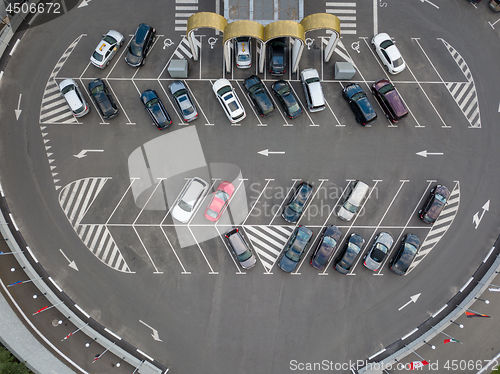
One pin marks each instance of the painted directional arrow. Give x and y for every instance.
(72, 264)
(84, 3)
(18, 110)
(477, 219)
(267, 152)
(427, 1)
(155, 334)
(425, 153)
(84, 151)
(413, 299)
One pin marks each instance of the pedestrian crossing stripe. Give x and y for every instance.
(340, 50)
(186, 10)
(464, 93)
(439, 228)
(346, 13)
(183, 49)
(268, 242)
(75, 200)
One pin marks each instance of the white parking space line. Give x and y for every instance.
(304, 210)
(396, 242)
(378, 226)
(95, 106)
(202, 201)
(304, 108)
(208, 123)
(150, 49)
(147, 252)
(256, 201)
(119, 202)
(284, 200)
(147, 201)
(119, 58)
(84, 70)
(203, 253)
(181, 123)
(336, 119)
(251, 105)
(278, 109)
(119, 103)
(229, 251)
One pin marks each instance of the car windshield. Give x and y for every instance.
(245, 256)
(222, 195)
(136, 49)
(351, 253)
(185, 206)
(180, 93)
(97, 89)
(211, 213)
(243, 57)
(388, 87)
(299, 201)
(379, 252)
(398, 62)
(97, 56)
(351, 208)
(312, 80)
(224, 90)
(358, 96)
(386, 43)
(67, 89)
(441, 198)
(278, 60)
(410, 250)
(151, 103)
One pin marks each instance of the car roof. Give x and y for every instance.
(196, 186)
(141, 32)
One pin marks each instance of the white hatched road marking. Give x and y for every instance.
(184, 12)
(440, 227)
(340, 50)
(53, 108)
(75, 200)
(268, 241)
(465, 94)
(346, 12)
(183, 50)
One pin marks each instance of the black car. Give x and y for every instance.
(359, 103)
(287, 98)
(277, 52)
(139, 46)
(258, 93)
(434, 204)
(400, 263)
(295, 249)
(296, 203)
(323, 253)
(352, 248)
(156, 110)
(102, 99)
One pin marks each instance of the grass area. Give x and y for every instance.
(9, 364)
(496, 370)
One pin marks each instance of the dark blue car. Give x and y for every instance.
(259, 96)
(156, 110)
(407, 251)
(325, 249)
(296, 203)
(346, 258)
(139, 46)
(295, 249)
(359, 103)
(102, 99)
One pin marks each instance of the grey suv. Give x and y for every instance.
(240, 249)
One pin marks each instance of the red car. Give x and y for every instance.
(389, 100)
(219, 201)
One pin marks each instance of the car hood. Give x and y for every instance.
(133, 59)
(396, 102)
(250, 263)
(371, 264)
(345, 214)
(286, 264)
(385, 239)
(180, 214)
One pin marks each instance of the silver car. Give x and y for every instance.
(243, 47)
(106, 49)
(381, 246)
(183, 99)
(189, 199)
(73, 96)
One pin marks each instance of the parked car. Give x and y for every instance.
(189, 199)
(287, 99)
(328, 242)
(359, 103)
(229, 100)
(219, 201)
(243, 47)
(139, 46)
(156, 110)
(184, 101)
(106, 49)
(357, 193)
(102, 99)
(298, 200)
(73, 96)
(434, 205)
(312, 90)
(277, 53)
(259, 96)
(495, 5)
(352, 248)
(407, 251)
(390, 101)
(388, 53)
(381, 246)
(295, 249)
(240, 249)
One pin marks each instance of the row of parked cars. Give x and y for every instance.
(298, 244)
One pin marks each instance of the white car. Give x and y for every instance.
(106, 49)
(189, 199)
(73, 96)
(388, 53)
(229, 100)
(243, 47)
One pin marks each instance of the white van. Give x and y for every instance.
(353, 200)
(312, 89)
